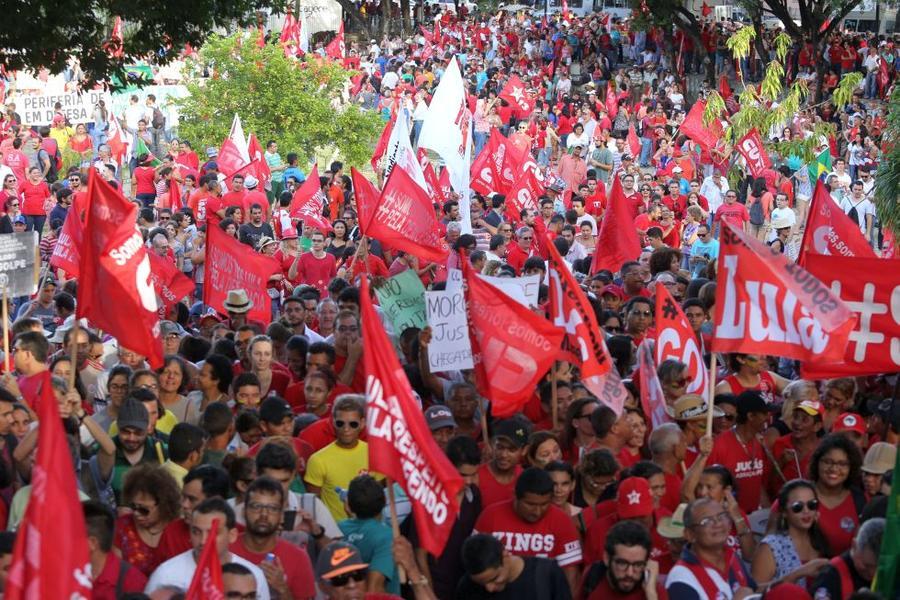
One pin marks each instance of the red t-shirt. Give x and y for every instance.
(492, 491)
(197, 203)
(301, 448)
(839, 524)
(175, 539)
(672, 498)
(736, 214)
(235, 199)
(33, 197)
(296, 395)
(604, 591)
(317, 272)
(144, 184)
(294, 561)
(104, 587)
(358, 384)
(256, 197)
(746, 462)
(553, 536)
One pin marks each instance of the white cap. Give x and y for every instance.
(250, 182)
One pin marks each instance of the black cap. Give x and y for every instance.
(274, 409)
(513, 429)
(751, 401)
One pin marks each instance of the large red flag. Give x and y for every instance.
(114, 288)
(523, 195)
(676, 340)
(870, 290)
(207, 581)
(751, 148)
(171, 285)
(765, 304)
(612, 101)
(366, 195)
(724, 88)
(231, 265)
(515, 94)
(512, 346)
(66, 253)
(653, 400)
(705, 10)
(400, 444)
(883, 78)
(583, 345)
(50, 558)
(404, 219)
(381, 146)
(290, 35)
(335, 48)
(230, 160)
(830, 232)
(258, 166)
(617, 240)
(694, 127)
(309, 202)
(444, 182)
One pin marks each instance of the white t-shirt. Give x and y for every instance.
(586, 218)
(863, 208)
(308, 502)
(179, 570)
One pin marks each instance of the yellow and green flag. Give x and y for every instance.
(822, 166)
(885, 582)
(141, 148)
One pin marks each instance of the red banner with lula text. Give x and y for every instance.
(231, 265)
(765, 304)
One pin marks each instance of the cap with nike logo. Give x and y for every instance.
(338, 558)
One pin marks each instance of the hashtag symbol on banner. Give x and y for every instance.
(669, 309)
(867, 308)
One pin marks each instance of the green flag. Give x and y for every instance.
(885, 582)
(141, 148)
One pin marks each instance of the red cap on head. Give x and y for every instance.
(634, 499)
(850, 422)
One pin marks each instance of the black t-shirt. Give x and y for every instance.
(541, 579)
(250, 234)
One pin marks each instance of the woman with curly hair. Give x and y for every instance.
(835, 469)
(153, 498)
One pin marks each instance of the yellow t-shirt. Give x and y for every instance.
(163, 424)
(333, 467)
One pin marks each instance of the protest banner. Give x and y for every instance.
(19, 263)
(319, 15)
(523, 290)
(402, 298)
(450, 348)
(37, 109)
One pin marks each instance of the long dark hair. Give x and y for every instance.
(567, 435)
(816, 537)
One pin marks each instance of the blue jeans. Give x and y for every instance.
(646, 151)
(871, 87)
(480, 141)
(35, 223)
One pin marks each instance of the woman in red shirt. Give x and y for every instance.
(143, 182)
(82, 143)
(33, 193)
(835, 469)
(749, 373)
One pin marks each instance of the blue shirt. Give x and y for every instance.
(296, 173)
(374, 540)
(699, 248)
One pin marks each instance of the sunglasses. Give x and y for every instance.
(811, 505)
(140, 509)
(351, 424)
(342, 580)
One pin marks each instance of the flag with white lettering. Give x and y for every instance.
(653, 399)
(751, 148)
(523, 195)
(308, 203)
(830, 232)
(66, 252)
(171, 284)
(515, 94)
(765, 304)
(675, 339)
(400, 443)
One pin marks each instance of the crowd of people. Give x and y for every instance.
(261, 426)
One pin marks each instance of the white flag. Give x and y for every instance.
(447, 130)
(399, 151)
(238, 138)
(304, 35)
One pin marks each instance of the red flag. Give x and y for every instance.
(174, 195)
(495, 168)
(207, 581)
(258, 166)
(724, 88)
(676, 340)
(765, 304)
(404, 219)
(231, 265)
(400, 443)
(381, 146)
(653, 400)
(634, 143)
(230, 160)
(883, 77)
(290, 36)
(889, 245)
(261, 36)
(114, 290)
(516, 95)
(565, 10)
(366, 195)
(705, 10)
(444, 182)
(115, 47)
(870, 290)
(429, 37)
(751, 148)
(512, 346)
(523, 195)
(694, 127)
(67, 252)
(583, 345)
(831, 232)
(309, 202)
(42, 566)
(617, 240)
(431, 180)
(335, 48)
(612, 101)
(171, 285)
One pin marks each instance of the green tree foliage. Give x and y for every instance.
(294, 103)
(887, 179)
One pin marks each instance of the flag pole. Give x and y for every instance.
(5, 330)
(554, 409)
(712, 395)
(73, 345)
(395, 525)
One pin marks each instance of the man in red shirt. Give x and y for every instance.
(255, 196)
(530, 525)
(519, 252)
(316, 267)
(203, 197)
(107, 569)
(627, 572)
(233, 198)
(633, 276)
(16, 160)
(793, 451)
(497, 477)
(632, 196)
(732, 212)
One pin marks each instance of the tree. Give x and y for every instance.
(46, 33)
(296, 103)
(887, 179)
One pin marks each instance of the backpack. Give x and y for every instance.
(853, 213)
(756, 213)
(159, 119)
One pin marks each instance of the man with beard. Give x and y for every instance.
(202, 482)
(133, 443)
(287, 568)
(627, 570)
(294, 317)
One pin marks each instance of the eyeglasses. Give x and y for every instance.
(141, 509)
(341, 424)
(613, 328)
(623, 565)
(342, 580)
(642, 313)
(240, 596)
(703, 234)
(728, 417)
(348, 328)
(798, 506)
(835, 464)
(161, 218)
(526, 238)
(722, 517)
(260, 507)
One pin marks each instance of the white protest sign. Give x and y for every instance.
(454, 280)
(37, 109)
(320, 15)
(20, 263)
(450, 348)
(523, 290)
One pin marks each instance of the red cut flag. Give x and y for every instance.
(676, 340)
(231, 265)
(115, 47)
(114, 288)
(483, 178)
(404, 219)
(751, 148)
(258, 166)
(883, 78)
(830, 232)
(230, 160)
(309, 202)
(207, 581)
(634, 142)
(617, 240)
(67, 252)
(515, 94)
(171, 285)
(42, 567)
(653, 400)
(429, 36)
(400, 443)
(870, 290)
(366, 195)
(335, 48)
(290, 35)
(694, 127)
(381, 146)
(705, 10)
(583, 345)
(765, 304)
(523, 195)
(512, 346)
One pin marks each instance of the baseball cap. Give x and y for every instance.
(881, 407)
(338, 558)
(880, 458)
(20, 219)
(274, 410)
(212, 152)
(691, 407)
(672, 527)
(133, 414)
(750, 401)
(850, 422)
(512, 429)
(438, 417)
(169, 327)
(633, 498)
(813, 408)
(613, 290)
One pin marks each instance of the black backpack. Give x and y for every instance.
(756, 213)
